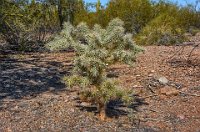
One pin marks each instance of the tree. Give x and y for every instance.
(96, 49)
(98, 12)
(81, 13)
(12, 22)
(23, 24)
(163, 30)
(67, 10)
(134, 13)
(100, 15)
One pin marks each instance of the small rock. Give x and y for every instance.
(163, 80)
(18, 91)
(169, 91)
(5, 76)
(137, 86)
(33, 82)
(7, 86)
(72, 110)
(30, 74)
(15, 108)
(85, 104)
(72, 97)
(7, 81)
(8, 129)
(150, 75)
(51, 89)
(138, 76)
(52, 69)
(24, 105)
(152, 71)
(43, 69)
(182, 117)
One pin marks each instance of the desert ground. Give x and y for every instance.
(166, 85)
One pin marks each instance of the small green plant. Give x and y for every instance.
(96, 49)
(163, 30)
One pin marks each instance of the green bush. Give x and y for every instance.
(134, 13)
(23, 25)
(163, 30)
(96, 49)
(12, 27)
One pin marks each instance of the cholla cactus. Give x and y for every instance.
(96, 49)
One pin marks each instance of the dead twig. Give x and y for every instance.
(149, 87)
(150, 119)
(150, 96)
(196, 95)
(190, 54)
(180, 51)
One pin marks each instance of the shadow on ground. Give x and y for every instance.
(115, 108)
(22, 77)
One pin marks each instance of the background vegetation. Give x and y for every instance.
(25, 24)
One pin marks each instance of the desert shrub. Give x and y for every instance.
(189, 17)
(22, 25)
(11, 24)
(134, 13)
(163, 30)
(96, 49)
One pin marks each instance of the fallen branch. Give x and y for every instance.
(193, 49)
(180, 51)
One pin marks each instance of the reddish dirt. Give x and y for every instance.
(32, 97)
(169, 113)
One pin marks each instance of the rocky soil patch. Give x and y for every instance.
(32, 97)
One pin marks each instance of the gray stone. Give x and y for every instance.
(43, 69)
(24, 105)
(7, 85)
(163, 80)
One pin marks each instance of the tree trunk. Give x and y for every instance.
(70, 12)
(60, 15)
(102, 112)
